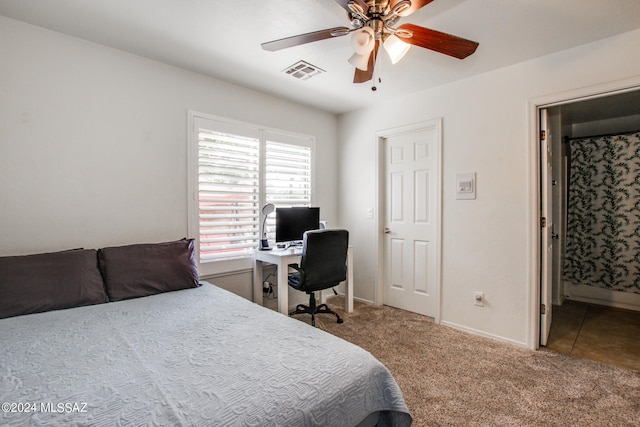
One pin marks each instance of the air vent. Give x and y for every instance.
(302, 70)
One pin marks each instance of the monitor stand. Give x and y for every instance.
(292, 244)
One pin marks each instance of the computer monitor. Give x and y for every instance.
(291, 223)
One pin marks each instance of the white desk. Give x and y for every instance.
(282, 258)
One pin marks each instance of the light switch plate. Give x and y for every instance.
(466, 186)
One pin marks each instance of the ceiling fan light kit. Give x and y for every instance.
(362, 41)
(361, 62)
(395, 47)
(373, 22)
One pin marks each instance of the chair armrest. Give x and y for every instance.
(295, 278)
(296, 267)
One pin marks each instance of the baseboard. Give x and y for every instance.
(602, 296)
(462, 328)
(597, 301)
(483, 334)
(366, 301)
(341, 294)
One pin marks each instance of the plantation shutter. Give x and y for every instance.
(235, 170)
(228, 191)
(287, 173)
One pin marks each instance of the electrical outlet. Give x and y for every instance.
(478, 298)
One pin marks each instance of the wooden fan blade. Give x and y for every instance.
(440, 42)
(364, 76)
(305, 38)
(415, 5)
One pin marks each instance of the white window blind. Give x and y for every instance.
(287, 175)
(239, 169)
(228, 194)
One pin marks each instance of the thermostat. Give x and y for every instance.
(466, 186)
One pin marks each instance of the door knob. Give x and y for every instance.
(387, 230)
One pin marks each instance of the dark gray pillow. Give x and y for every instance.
(147, 269)
(50, 281)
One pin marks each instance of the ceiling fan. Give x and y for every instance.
(373, 23)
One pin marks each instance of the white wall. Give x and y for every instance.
(92, 153)
(486, 129)
(93, 141)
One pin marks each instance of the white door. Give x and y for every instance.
(546, 227)
(412, 220)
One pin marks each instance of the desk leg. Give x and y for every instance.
(348, 300)
(257, 282)
(323, 296)
(283, 287)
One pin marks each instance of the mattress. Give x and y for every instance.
(195, 357)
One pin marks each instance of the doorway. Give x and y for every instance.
(602, 122)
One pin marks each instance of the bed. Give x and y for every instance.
(199, 356)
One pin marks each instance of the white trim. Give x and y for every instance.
(601, 296)
(533, 205)
(229, 273)
(366, 301)
(193, 113)
(344, 295)
(192, 185)
(380, 200)
(533, 219)
(378, 290)
(482, 333)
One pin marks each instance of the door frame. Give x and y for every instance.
(380, 275)
(549, 248)
(533, 209)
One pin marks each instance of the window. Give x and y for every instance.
(228, 188)
(234, 170)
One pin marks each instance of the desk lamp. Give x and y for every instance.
(264, 242)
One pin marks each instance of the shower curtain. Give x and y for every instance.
(603, 213)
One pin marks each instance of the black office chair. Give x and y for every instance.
(323, 265)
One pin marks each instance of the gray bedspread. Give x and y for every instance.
(197, 357)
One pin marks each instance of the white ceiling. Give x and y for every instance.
(222, 38)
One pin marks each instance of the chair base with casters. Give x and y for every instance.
(314, 309)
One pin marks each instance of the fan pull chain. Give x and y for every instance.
(376, 72)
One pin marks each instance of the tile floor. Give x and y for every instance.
(606, 334)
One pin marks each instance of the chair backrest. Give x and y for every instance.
(324, 259)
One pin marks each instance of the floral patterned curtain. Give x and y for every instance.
(603, 229)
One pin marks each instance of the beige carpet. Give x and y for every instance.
(452, 378)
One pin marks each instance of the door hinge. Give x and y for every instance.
(543, 309)
(543, 135)
(543, 222)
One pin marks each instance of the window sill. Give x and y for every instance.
(213, 268)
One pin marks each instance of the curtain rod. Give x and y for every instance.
(566, 138)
